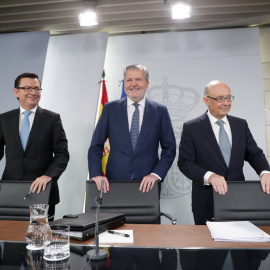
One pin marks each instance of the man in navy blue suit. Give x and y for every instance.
(201, 159)
(155, 128)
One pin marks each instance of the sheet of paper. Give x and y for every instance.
(108, 238)
(75, 233)
(240, 231)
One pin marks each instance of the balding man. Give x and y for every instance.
(213, 149)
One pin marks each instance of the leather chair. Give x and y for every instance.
(13, 206)
(125, 197)
(244, 200)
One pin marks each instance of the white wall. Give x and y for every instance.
(180, 65)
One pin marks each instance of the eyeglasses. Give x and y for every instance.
(222, 99)
(28, 89)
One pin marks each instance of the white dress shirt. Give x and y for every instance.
(30, 117)
(131, 110)
(216, 128)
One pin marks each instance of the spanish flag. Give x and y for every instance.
(106, 151)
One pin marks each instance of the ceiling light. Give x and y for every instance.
(180, 10)
(89, 16)
(253, 25)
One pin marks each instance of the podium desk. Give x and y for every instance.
(148, 235)
(155, 247)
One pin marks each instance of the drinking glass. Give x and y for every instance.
(57, 246)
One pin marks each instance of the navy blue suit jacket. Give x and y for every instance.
(123, 163)
(199, 152)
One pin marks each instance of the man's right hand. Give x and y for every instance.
(98, 179)
(218, 183)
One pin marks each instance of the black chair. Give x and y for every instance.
(12, 203)
(125, 197)
(244, 200)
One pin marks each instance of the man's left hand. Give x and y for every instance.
(40, 183)
(265, 182)
(148, 182)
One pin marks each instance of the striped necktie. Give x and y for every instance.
(134, 130)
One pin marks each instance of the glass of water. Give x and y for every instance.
(57, 245)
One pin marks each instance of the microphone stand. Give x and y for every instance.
(97, 253)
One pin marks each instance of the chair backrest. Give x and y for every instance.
(244, 200)
(125, 197)
(12, 203)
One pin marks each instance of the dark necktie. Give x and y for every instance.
(25, 129)
(224, 143)
(134, 130)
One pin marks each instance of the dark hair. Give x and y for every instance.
(25, 75)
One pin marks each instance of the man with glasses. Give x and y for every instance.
(213, 149)
(36, 145)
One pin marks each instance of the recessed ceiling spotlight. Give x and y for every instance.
(180, 9)
(89, 15)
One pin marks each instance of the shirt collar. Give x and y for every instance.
(130, 102)
(22, 110)
(213, 119)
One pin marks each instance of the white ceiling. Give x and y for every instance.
(129, 16)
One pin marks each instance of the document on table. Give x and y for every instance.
(237, 231)
(108, 238)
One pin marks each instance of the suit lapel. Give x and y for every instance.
(39, 118)
(235, 138)
(148, 120)
(15, 126)
(122, 122)
(209, 133)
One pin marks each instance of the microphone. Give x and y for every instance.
(97, 253)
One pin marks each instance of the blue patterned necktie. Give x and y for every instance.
(134, 130)
(224, 143)
(25, 129)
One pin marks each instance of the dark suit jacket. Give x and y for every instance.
(46, 152)
(199, 152)
(122, 163)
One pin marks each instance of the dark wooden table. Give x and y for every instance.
(147, 235)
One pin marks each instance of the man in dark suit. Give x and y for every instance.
(43, 156)
(132, 158)
(203, 161)
(126, 160)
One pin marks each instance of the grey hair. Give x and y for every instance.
(209, 85)
(137, 67)
(206, 90)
